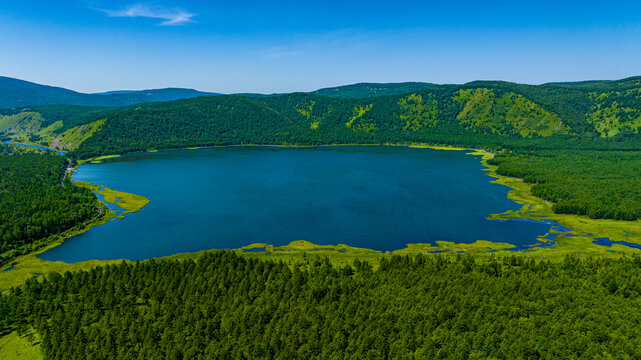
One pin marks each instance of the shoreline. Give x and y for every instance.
(578, 241)
(24, 267)
(293, 146)
(532, 208)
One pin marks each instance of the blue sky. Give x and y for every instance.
(283, 46)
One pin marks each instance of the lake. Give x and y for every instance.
(374, 197)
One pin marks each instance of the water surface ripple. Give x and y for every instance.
(374, 197)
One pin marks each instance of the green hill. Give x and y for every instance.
(576, 83)
(407, 112)
(365, 90)
(508, 113)
(488, 113)
(51, 125)
(480, 112)
(485, 113)
(19, 93)
(616, 108)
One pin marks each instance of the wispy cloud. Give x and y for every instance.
(171, 16)
(278, 53)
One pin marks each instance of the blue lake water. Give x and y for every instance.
(374, 197)
(608, 242)
(35, 147)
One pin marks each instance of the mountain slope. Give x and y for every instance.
(480, 113)
(507, 113)
(365, 90)
(227, 119)
(576, 83)
(152, 95)
(437, 114)
(19, 93)
(616, 107)
(51, 125)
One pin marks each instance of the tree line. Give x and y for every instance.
(227, 306)
(599, 184)
(34, 204)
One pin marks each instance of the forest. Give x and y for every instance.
(35, 202)
(366, 90)
(599, 184)
(480, 118)
(227, 306)
(488, 114)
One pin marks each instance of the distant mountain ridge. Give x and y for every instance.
(576, 83)
(365, 90)
(165, 94)
(15, 93)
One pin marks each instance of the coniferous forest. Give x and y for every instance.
(225, 306)
(599, 184)
(35, 202)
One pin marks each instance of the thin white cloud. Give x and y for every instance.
(173, 16)
(279, 53)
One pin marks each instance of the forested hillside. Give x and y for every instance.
(204, 121)
(511, 111)
(435, 115)
(12, 149)
(60, 126)
(34, 203)
(458, 114)
(225, 306)
(486, 114)
(48, 115)
(366, 90)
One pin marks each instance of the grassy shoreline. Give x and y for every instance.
(29, 265)
(98, 159)
(129, 203)
(578, 241)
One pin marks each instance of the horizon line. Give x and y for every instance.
(319, 88)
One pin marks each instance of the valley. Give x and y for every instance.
(482, 170)
(185, 180)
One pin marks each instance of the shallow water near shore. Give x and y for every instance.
(373, 197)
